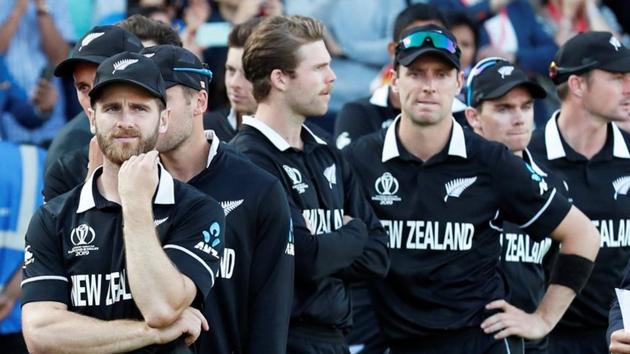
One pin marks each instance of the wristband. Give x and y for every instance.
(571, 271)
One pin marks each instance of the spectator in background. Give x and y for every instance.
(29, 113)
(465, 31)
(35, 34)
(566, 18)
(20, 183)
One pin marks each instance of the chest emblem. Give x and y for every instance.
(82, 238)
(331, 175)
(621, 185)
(457, 186)
(296, 178)
(231, 205)
(386, 188)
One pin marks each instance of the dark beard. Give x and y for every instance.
(119, 153)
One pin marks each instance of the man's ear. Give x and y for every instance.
(394, 84)
(576, 85)
(201, 103)
(165, 118)
(278, 79)
(474, 119)
(90, 114)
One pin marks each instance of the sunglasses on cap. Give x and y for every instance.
(476, 70)
(203, 72)
(437, 39)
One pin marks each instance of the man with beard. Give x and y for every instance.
(249, 307)
(123, 262)
(582, 145)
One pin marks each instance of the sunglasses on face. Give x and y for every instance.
(436, 39)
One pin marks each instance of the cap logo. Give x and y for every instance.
(89, 38)
(123, 64)
(149, 55)
(615, 43)
(506, 71)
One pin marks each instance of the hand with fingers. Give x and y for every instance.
(512, 321)
(190, 324)
(138, 178)
(620, 342)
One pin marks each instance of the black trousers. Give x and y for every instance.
(465, 341)
(316, 340)
(578, 341)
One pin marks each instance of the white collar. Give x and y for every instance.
(555, 150)
(165, 192)
(214, 145)
(380, 96)
(231, 118)
(457, 144)
(275, 138)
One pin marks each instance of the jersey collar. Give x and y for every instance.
(273, 136)
(212, 137)
(165, 192)
(457, 144)
(555, 149)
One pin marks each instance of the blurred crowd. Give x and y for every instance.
(35, 106)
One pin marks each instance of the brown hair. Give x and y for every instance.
(274, 44)
(239, 34)
(149, 29)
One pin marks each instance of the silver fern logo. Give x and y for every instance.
(123, 64)
(615, 43)
(621, 185)
(455, 187)
(331, 175)
(230, 205)
(89, 38)
(506, 71)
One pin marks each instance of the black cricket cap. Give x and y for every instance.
(130, 68)
(179, 66)
(587, 51)
(429, 39)
(100, 43)
(493, 78)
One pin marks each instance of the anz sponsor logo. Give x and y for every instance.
(542, 184)
(88, 289)
(28, 256)
(614, 233)
(323, 221)
(82, 238)
(429, 235)
(211, 239)
(296, 178)
(522, 249)
(386, 186)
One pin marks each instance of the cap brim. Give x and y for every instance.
(97, 90)
(621, 65)
(412, 54)
(534, 89)
(66, 67)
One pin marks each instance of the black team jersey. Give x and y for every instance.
(75, 248)
(250, 306)
(65, 173)
(599, 187)
(321, 189)
(439, 214)
(220, 122)
(524, 259)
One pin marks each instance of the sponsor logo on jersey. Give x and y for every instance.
(542, 184)
(82, 238)
(211, 239)
(457, 186)
(296, 178)
(28, 256)
(386, 188)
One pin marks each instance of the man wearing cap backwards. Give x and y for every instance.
(582, 145)
(124, 261)
(337, 236)
(442, 192)
(501, 100)
(249, 308)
